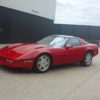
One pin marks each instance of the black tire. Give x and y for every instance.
(42, 63)
(87, 61)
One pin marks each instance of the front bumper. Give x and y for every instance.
(23, 64)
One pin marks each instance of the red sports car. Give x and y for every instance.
(51, 50)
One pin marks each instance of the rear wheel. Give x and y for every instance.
(87, 61)
(42, 63)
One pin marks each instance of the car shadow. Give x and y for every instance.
(14, 70)
(65, 66)
(52, 69)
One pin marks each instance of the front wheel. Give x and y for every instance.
(87, 61)
(42, 63)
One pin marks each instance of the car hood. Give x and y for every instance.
(14, 51)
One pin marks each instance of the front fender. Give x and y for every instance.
(33, 55)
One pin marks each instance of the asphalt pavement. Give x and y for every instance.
(65, 82)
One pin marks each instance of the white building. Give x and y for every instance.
(43, 8)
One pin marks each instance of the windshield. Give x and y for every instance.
(55, 41)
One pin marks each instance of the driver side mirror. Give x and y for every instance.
(69, 46)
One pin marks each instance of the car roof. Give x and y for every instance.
(67, 36)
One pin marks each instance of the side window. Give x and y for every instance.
(74, 42)
(84, 42)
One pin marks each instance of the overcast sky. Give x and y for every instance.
(81, 12)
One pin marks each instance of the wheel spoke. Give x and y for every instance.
(88, 59)
(43, 63)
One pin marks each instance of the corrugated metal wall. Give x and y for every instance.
(23, 27)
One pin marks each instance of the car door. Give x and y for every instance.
(72, 53)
